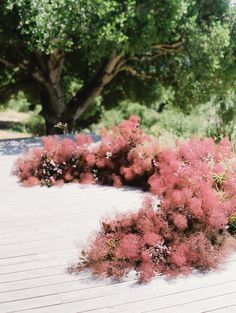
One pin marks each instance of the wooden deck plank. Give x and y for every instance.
(42, 231)
(37, 282)
(38, 257)
(67, 289)
(74, 291)
(197, 304)
(30, 304)
(207, 304)
(226, 309)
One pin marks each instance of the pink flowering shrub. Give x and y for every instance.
(123, 156)
(149, 242)
(57, 162)
(194, 224)
(195, 183)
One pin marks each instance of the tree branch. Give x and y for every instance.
(7, 90)
(147, 57)
(133, 72)
(162, 49)
(24, 65)
(41, 60)
(6, 62)
(177, 46)
(112, 67)
(55, 64)
(86, 95)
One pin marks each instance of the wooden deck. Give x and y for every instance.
(42, 231)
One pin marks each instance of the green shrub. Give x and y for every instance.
(232, 224)
(36, 124)
(18, 103)
(170, 125)
(214, 119)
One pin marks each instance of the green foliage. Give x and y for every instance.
(18, 103)
(219, 179)
(47, 25)
(36, 124)
(171, 122)
(132, 28)
(214, 119)
(224, 112)
(198, 74)
(71, 85)
(232, 225)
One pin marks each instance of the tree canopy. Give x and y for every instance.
(72, 51)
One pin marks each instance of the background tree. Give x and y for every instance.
(72, 51)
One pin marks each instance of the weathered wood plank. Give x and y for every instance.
(194, 303)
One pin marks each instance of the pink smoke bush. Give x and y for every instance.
(195, 184)
(150, 243)
(189, 226)
(122, 157)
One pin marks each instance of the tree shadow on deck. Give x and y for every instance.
(20, 145)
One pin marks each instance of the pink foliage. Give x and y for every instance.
(151, 238)
(128, 247)
(123, 156)
(83, 139)
(30, 182)
(180, 221)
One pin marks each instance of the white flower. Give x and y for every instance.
(156, 204)
(108, 154)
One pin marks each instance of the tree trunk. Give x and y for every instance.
(78, 105)
(52, 111)
(87, 94)
(47, 74)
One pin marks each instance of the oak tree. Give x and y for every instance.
(94, 45)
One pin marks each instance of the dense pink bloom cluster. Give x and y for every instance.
(149, 242)
(187, 222)
(57, 162)
(195, 184)
(123, 157)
